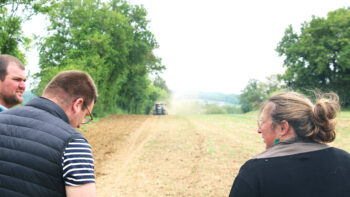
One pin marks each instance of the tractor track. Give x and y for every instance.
(140, 155)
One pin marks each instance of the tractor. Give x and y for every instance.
(159, 109)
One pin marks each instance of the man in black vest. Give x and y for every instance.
(41, 152)
(12, 81)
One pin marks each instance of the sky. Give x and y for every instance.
(217, 46)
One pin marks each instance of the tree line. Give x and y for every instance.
(110, 40)
(316, 59)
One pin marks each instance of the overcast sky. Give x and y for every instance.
(217, 46)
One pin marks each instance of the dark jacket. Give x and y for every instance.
(32, 141)
(292, 169)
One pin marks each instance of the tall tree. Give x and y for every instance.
(111, 42)
(256, 92)
(160, 83)
(12, 14)
(252, 96)
(318, 57)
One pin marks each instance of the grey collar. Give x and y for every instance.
(290, 147)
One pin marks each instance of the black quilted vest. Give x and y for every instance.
(32, 140)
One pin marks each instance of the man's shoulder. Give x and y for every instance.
(38, 119)
(2, 108)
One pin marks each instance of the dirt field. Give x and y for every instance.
(196, 155)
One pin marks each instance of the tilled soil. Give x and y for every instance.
(139, 155)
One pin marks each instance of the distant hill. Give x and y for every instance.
(217, 98)
(27, 96)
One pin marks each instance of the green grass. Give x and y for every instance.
(344, 114)
(244, 127)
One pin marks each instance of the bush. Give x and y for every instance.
(230, 109)
(227, 109)
(214, 109)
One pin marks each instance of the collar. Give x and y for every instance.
(291, 147)
(2, 108)
(49, 106)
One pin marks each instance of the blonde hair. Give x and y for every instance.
(311, 121)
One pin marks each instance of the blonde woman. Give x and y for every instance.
(297, 161)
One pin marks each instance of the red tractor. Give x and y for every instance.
(159, 109)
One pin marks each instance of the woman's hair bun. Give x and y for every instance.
(324, 114)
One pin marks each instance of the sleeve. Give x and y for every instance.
(240, 188)
(78, 163)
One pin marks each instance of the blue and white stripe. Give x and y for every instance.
(78, 163)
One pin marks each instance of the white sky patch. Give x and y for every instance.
(217, 46)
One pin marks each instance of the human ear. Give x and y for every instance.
(284, 127)
(77, 104)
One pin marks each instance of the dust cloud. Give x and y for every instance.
(180, 105)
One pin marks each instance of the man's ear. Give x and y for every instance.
(77, 104)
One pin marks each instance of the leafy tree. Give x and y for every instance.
(318, 57)
(12, 14)
(272, 85)
(160, 83)
(252, 96)
(108, 40)
(256, 92)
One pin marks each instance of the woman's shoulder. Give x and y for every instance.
(253, 165)
(337, 152)
(291, 147)
(324, 154)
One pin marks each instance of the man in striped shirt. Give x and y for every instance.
(41, 153)
(78, 163)
(77, 160)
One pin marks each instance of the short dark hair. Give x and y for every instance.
(73, 84)
(4, 62)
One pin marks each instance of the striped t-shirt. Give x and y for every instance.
(78, 163)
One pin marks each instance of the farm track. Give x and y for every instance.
(139, 155)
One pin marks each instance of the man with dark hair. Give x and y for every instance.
(41, 152)
(12, 81)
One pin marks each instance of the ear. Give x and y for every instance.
(77, 104)
(284, 127)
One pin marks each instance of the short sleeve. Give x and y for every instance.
(78, 163)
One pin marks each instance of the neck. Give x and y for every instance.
(2, 103)
(290, 134)
(58, 101)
